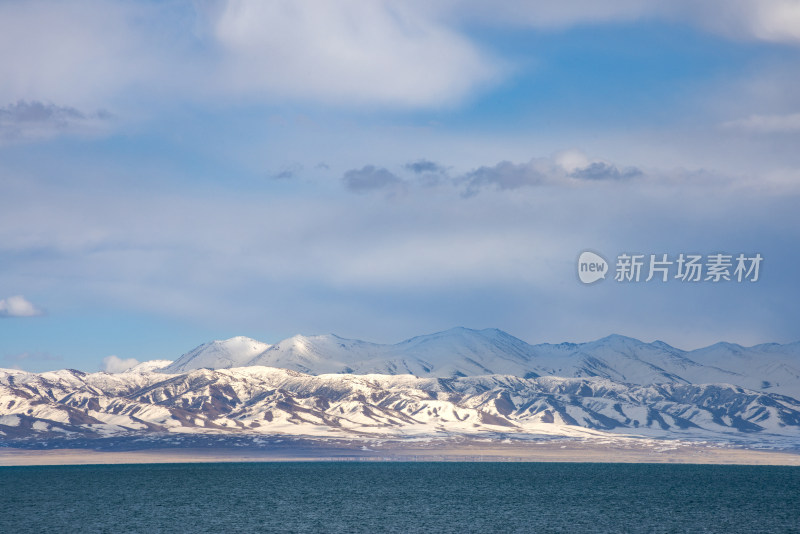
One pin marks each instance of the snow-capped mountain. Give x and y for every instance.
(465, 352)
(233, 352)
(455, 352)
(150, 365)
(769, 368)
(269, 401)
(461, 352)
(318, 354)
(456, 382)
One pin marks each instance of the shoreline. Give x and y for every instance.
(570, 452)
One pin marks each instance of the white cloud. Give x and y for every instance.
(767, 123)
(115, 364)
(91, 54)
(25, 120)
(351, 50)
(73, 53)
(18, 306)
(564, 168)
(571, 160)
(370, 178)
(767, 20)
(310, 262)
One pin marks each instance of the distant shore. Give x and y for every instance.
(471, 451)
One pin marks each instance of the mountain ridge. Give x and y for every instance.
(268, 401)
(463, 351)
(459, 382)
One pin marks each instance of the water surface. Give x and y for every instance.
(399, 497)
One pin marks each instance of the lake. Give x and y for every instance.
(400, 497)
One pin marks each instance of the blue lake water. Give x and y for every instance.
(399, 497)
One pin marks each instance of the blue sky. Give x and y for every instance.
(176, 172)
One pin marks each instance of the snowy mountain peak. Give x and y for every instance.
(219, 354)
(468, 352)
(463, 338)
(454, 352)
(326, 353)
(149, 366)
(262, 401)
(458, 332)
(617, 340)
(731, 348)
(666, 346)
(315, 344)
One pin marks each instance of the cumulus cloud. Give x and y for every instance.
(786, 123)
(428, 173)
(560, 169)
(349, 51)
(600, 170)
(767, 20)
(18, 306)
(424, 166)
(79, 52)
(565, 168)
(354, 52)
(326, 262)
(288, 172)
(505, 175)
(24, 111)
(115, 364)
(371, 178)
(284, 175)
(35, 119)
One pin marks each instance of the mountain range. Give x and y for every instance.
(457, 382)
(461, 352)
